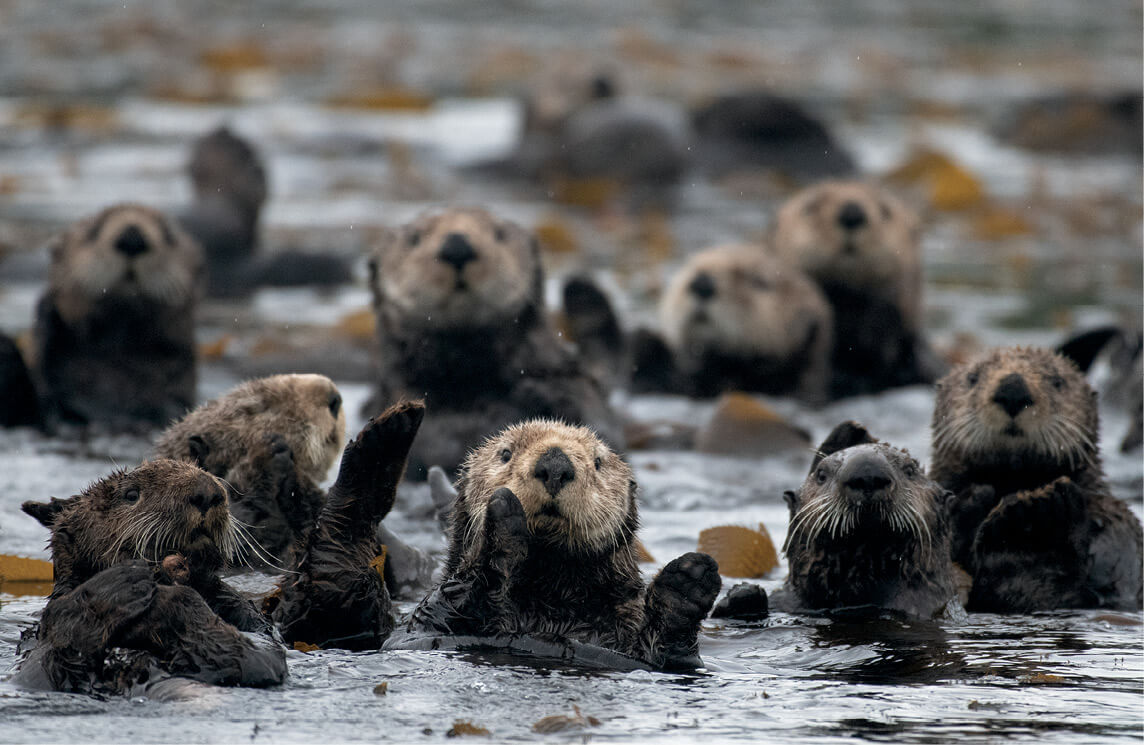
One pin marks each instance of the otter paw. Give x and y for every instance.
(505, 515)
(173, 570)
(744, 601)
(686, 588)
(1039, 518)
(373, 462)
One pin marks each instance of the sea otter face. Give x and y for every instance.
(870, 489)
(306, 410)
(162, 507)
(457, 269)
(224, 165)
(125, 252)
(848, 232)
(1017, 402)
(576, 492)
(737, 301)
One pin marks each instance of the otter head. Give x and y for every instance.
(125, 253)
(849, 233)
(306, 410)
(1017, 409)
(162, 507)
(859, 487)
(564, 87)
(736, 301)
(454, 270)
(227, 167)
(577, 494)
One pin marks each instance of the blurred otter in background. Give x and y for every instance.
(458, 297)
(230, 188)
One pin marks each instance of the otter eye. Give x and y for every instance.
(1058, 382)
(599, 462)
(971, 378)
(820, 475)
(414, 237)
(131, 496)
(500, 234)
(759, 283)
(335, 404)
(505, 455)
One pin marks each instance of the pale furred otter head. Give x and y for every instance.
(306, 410)
(853, 234)
(456, 269)
(160, 508)
(1016, 409)
(224, 166)
(127, 252)
(867, 486)
(736, 301)
(577, 493)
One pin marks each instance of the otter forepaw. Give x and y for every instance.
(1040, 517)
(744, 601)
(685, 589)
(505, 522)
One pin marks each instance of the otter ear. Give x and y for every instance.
(791, 499)
(199, 450)
(45, 512)
(845, 435)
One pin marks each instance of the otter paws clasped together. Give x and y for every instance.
(542, 543)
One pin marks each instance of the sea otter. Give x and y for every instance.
(114, 335)
(138, 599)
(542, 543)
(272, 440)
(861, 245)
(1016, 439)
(738, 319)
(458, 297)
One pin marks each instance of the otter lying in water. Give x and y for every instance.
(138, 598)
(542, 546)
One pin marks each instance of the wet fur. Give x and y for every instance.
(483, 357)
(1034, 520)
(896, 559)
(114, 338)
(515, 568)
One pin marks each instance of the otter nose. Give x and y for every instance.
(851, 216)
(1013, 394)
(702, 287)
(866, 474)
(456, 250)
(555, 470)
(205, 500)
(131, 242)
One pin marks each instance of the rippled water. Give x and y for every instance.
(1067, 677)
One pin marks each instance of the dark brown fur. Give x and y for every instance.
(543, 543)
(1016, 439)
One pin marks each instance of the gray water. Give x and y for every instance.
(866, 67)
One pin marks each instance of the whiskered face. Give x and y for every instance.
(871, 489)
(737, 301)
(457, 269)
(125, 252)
(1017, 402)
(226, 165)
(576, 492)
(160, 508)
(848, 232)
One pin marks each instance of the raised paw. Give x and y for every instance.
(374, 461)
(685, 589)
(1039, 518)
(504, 517)
(744, 601)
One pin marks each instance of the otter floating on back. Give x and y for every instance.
(1015, 437)
(458, 297)
(542, 544)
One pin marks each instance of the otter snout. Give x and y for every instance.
(866, 476)
(702, 286)
(851, 216)
(1013, 395)
(131, 242)
(205, 499)
(554, 469)
(457, 251)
